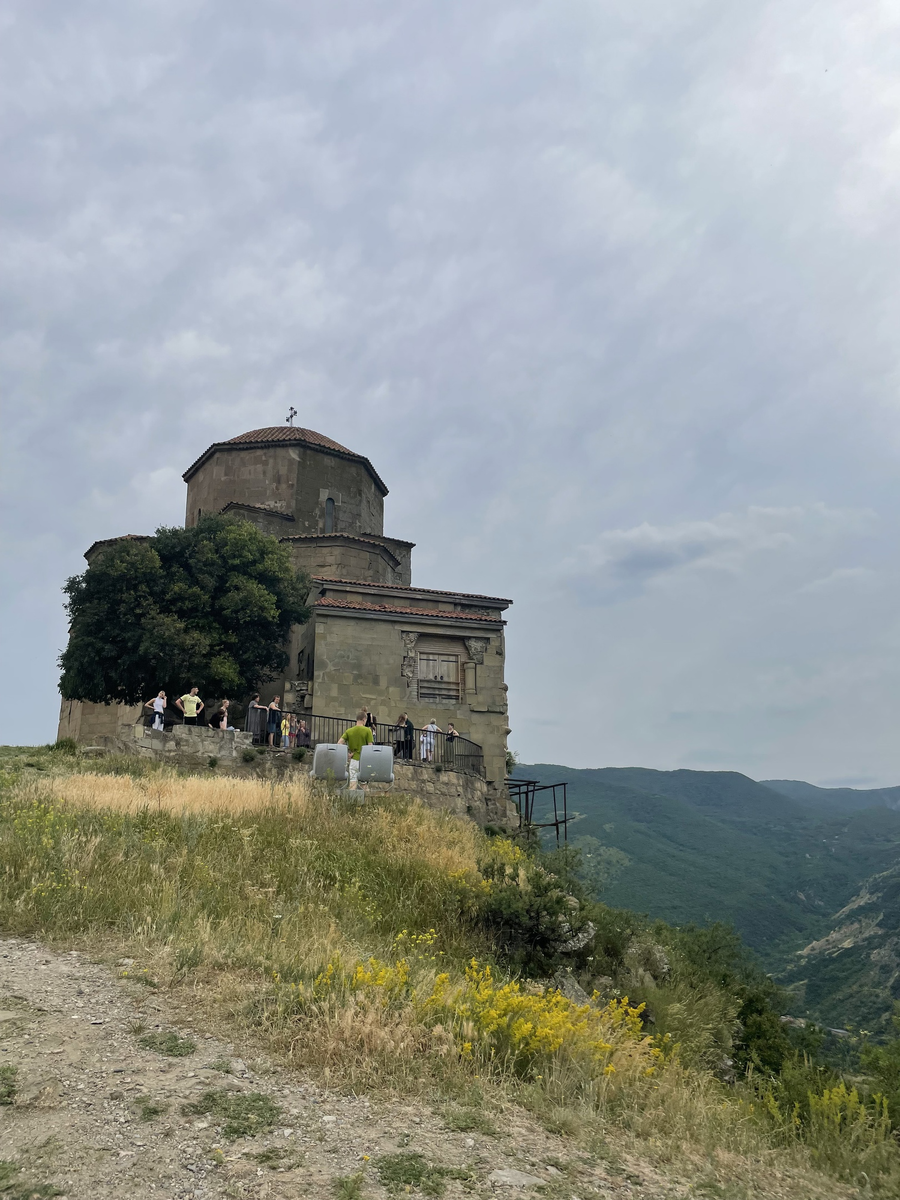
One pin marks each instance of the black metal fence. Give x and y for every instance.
(534, 802)
(432, 747)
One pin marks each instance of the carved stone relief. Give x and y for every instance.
(408, 664)
(476, 648)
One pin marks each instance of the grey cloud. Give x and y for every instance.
(619, 563)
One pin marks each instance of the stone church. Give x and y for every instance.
(373, 638)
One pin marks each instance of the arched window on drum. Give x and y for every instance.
(329, 515)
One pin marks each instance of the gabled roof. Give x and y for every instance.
(256, 439)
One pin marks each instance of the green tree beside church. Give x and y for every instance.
(210, 606)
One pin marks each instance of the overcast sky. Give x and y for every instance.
(607, 292)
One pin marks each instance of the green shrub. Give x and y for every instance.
(531, 913)
(883, 1063)
(212, 762)
(64, 746)
(248, 755)
(242, 1115)
(299, 754)
(8, 1075)
(168, 1043)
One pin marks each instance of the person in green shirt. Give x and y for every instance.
(354, 739)
(191, 705)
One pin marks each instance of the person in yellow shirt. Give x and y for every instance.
(191, 706)
(354, 739)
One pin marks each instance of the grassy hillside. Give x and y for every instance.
(388, 946)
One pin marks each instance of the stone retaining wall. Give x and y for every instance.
(188, 745)
(192, 746)
(465, 795)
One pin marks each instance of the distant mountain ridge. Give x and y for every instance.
(840, 799)
(700, 846)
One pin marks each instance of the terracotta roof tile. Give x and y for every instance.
(361, 606)
(405, 587)
(289, 433)
(376, 538)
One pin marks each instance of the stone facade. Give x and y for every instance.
(293, 478)
(373, 639)
(96, 724)
(364, 644)
(343, 556)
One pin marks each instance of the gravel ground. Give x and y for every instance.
(86, 1111)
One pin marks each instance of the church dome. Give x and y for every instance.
(275, 436)
(289, 433)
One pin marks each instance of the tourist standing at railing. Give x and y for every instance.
(302, 738)
(372, 723)
(255, 721)
(273, 724)
(354, 739)
(158, 704)
(427, 740)
(404, 732)
(191, 706)
(450, 742)
(286, 721)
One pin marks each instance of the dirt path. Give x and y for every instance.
(87, 1110)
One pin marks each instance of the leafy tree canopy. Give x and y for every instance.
(207, 607)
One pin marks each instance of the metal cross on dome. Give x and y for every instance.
(291, 414)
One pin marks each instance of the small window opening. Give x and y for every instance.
(329, 515)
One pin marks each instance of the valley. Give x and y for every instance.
(809, 877)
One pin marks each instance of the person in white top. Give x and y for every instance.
(426, 741)
(158, 704)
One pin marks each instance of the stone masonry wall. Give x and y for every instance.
(359, 661)
(336, 560)
(292, 479)
(187, 745)
(96, 724)
(464, 795)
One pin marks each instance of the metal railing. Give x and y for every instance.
(416, 745)
(524, 794)
(433, 748)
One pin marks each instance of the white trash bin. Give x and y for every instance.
(330, 762)
(376, 764)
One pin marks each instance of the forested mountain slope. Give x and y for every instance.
(702, 846)
(841, 800)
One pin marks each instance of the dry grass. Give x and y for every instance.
(404, 830)
(170, 793)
